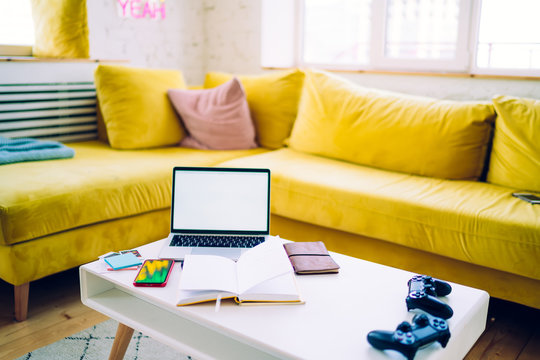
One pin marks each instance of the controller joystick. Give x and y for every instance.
(407, 338)
(423, 292)
(404, 326)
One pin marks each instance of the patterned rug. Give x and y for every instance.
(96, 343)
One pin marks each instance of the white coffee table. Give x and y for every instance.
(339, 312)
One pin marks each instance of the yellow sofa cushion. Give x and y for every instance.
(60, 28)
(422, 136)
(98, 184)
(31, 260)
(515, 156)
(273, 102)
(135, 107)
(471, 221)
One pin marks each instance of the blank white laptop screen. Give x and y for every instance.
(220, 201)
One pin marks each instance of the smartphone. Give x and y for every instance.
(154, 273)
(533, 199)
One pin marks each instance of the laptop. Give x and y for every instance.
(217, 211)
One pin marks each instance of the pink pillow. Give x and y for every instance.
(217, 118)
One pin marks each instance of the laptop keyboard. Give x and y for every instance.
(216, 241)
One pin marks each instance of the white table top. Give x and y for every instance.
(339, 311)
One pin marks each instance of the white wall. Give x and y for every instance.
(451, 88)
(176, 42)
(224, 35)
(232, 29)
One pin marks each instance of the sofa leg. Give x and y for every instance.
(21, 301)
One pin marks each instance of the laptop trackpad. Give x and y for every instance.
(233, 253)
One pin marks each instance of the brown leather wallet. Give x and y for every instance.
(310, 258)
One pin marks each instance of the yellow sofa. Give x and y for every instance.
(386, 177)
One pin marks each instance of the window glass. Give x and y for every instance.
(509, 36)
(462, 36)
(421, 29)
(336, 32)
(16, 26)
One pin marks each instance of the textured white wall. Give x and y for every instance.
(232, 40)
(224, 35)
(176, 42)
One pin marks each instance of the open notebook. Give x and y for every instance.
(262, 274)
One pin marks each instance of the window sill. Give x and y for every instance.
(39, 59)
(425, 73)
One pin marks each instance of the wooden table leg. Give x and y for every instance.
(121, 342)
(21, 301)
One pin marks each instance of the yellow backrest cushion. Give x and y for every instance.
(422, 136)
(273, 102)
(61, 29)
(515, 156)
(135, 107)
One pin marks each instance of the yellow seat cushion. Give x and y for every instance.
(136, 110)
(31, 260)
(422, 136)
(273, 102)
(98, 184)
(515, 156)
(60, 28)
(471, 221)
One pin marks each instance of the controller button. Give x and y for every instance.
(443, 325)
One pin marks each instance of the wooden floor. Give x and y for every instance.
(512, 333)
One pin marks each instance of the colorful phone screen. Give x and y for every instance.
(154, 272)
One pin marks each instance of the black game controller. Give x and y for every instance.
(422, 295)
(408, 338)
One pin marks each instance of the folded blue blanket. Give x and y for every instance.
(26, 149)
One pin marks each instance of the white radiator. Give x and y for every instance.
(52, 104)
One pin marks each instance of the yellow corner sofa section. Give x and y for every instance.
(97, 185)
(468, 232)
(58, 214)
(394, 179)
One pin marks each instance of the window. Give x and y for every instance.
(509, 35)
(461, 36)
(421, 29)
(428, 35)
(16, 27)
(322, 21)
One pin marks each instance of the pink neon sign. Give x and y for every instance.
(141, 9)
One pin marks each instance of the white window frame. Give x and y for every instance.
(474, 37)
(381, 62)
(280, 42)
(463, 63)
(299, 51)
